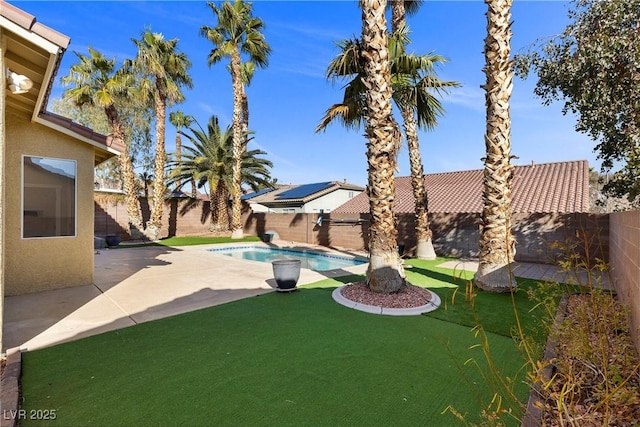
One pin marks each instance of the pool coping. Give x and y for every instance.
(331, 253)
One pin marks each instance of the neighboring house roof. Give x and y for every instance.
(297, 195)
(561, 187)
(35, 51)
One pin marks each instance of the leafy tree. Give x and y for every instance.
(593, 66)
(208, 162)
(96, 82)
(496, 243)
(165, 71)
(237, 32)
(137, 127)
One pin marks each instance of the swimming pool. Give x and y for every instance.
(311, 260)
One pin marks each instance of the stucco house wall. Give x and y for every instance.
(40, 264)
(330, 201)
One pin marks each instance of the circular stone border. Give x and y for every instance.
(374, 309)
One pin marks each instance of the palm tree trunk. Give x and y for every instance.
(497, 245)
(424, 248)
(385, 273)
(128, 174)
(219, 207)
(398, 14)
(155, 223)
(245, 114)
(179, 155)
(238, 146)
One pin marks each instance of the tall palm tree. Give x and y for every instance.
(413, 79)
(208, 161)
(180, 121)
(166, 71)
(424, 247)
(96, 82)
(497, 245)
(385, 273)
(237, 31)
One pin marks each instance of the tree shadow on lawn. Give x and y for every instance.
(464, 304)
(429, 278)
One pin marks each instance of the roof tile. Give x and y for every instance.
(28, 22)
(537, 188)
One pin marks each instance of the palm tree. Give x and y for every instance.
(497, 245)
(96, 82)
(165, 70)
(424, 247)
(209, 163)
(237, 31)
(413, 80)
(145, 179)
(385, 273)
(180, 121)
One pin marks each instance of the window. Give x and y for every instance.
(48, 197)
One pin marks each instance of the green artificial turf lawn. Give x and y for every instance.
(281, 359)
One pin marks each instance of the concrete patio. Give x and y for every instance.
(137, 285)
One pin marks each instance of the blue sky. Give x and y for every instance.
(288, 99)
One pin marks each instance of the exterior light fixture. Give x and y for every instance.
(18, 83)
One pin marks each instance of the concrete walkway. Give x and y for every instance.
(542, 272)
(141, 284)
(138, 285)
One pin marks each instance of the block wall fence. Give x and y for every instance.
(624, 248)
(540, 238)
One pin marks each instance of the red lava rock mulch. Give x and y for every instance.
(409, 296)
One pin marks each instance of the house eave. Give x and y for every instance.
(106, 147)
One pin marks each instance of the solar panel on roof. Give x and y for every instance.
(255, 194)
(304, 190)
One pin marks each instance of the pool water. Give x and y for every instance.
(311, 260)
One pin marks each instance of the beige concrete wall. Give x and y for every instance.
(33, 265)
(625, 264)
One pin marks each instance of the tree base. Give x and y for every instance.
(385, 273)
(425, 250)
(237, 234)
(495, 278)
(152, 232)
